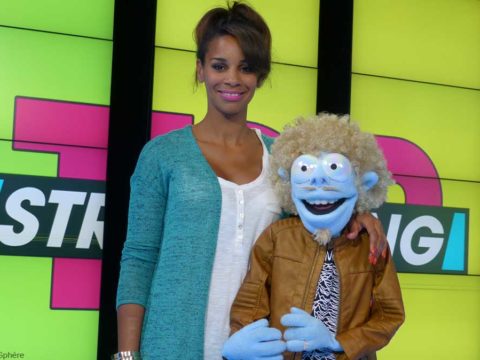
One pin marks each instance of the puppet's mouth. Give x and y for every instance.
(322, 207)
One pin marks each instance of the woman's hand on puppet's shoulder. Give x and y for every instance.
(374, 228)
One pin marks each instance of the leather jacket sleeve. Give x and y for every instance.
(386, 314)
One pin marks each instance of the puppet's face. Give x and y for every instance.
(324, 190)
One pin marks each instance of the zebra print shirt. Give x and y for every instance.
(325, 305)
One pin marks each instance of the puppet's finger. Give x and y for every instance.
(277, 357)
(270, 348)
(297, 333)
(293, 320)
(266, 334)
(296, 345)
(297, 317)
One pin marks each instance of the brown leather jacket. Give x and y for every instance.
(285, 266)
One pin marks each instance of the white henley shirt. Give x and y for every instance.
(247, 210)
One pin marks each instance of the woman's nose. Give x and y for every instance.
(233, 78)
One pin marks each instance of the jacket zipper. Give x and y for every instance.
(304, 301)
(312, 269)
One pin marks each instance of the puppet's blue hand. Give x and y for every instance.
(307, 333)
(255, 341)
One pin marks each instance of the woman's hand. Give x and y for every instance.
(378, 240)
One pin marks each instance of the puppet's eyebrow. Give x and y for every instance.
(330, 188)
(324, 188)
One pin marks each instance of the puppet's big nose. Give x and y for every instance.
(318, 180)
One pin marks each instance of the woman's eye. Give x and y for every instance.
(218, 67)
(337, 166)
(246, 69)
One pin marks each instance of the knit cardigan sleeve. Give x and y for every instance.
(145, 227)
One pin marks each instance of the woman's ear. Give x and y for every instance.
(200, 75)
(369, 179)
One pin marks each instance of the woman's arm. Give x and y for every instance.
(378, 240)
(141, 248)
(130, 321)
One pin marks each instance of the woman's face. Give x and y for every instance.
(228, 79)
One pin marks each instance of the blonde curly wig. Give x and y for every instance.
(330, 133)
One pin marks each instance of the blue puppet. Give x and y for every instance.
(310, 292)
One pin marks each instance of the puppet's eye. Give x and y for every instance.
(337, 166)
(303, 167)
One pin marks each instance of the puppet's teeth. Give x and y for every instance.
(320, 202)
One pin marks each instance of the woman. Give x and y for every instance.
(199, 199)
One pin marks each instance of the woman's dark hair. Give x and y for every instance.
(246, 26)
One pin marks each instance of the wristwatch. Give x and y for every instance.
(126, 355)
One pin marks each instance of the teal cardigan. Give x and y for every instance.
(167, 260)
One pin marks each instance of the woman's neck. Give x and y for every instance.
(221, 130)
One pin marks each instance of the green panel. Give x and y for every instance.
(442, 315)
(26, 162)
(273, 104)
(294, 41)
(396, 194)
(443, 121)
(427, 40)
(87, 18)
(290, 92)
(29, 326)
(42, 65)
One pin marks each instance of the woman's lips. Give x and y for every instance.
(231, 95)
